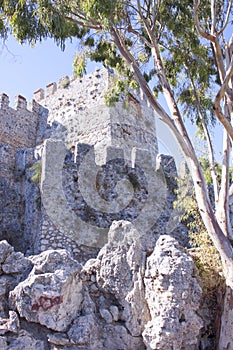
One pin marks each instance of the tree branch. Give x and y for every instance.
(209, 143)
(213, 17)
(217, 103)
(83, 24)
(197, 23)
(227, 18)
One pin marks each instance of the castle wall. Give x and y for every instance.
(18, 127)
(78, 113)
(78, 116)
(96, 142)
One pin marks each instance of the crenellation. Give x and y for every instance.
(39, 95)
(18, 126)
(34, 106)
(20, 102)
(51, 89)
(4, 101)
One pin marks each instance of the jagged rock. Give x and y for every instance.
(52, 293)
(120, 272)
(115, 312)
(13, 322)
(106, 315)
(116, 337)
(25, 341)
(3, 343)
(13, 267)
(5, 250)
(60, 339)
(173, 297)
(15, 262)
(7, 283)
(9, 325)
(86, 331)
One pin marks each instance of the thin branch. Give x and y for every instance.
(219, 58)
(197, 23)
(209, 143)
(83, 24)
(213, 17)
(217, 106)
(222, 208)
(145, 88)
(141, 37)
(227, 18)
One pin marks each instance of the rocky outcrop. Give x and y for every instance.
(172, 295)
(52, 293)
(126, 298)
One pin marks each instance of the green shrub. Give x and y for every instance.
(36, 170)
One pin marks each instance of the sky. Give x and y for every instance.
(25, 69)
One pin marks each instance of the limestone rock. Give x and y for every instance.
(9, 325)
(5, 250)
(86, 331)
(3, 343)
(116, 337)
(173, 297)
(25, 341)
(52, 293)
(16, 263)
(121, 271)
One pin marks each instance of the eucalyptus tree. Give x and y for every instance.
(180, 49)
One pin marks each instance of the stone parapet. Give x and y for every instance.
(18, 126)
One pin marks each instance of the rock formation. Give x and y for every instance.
(126, 298)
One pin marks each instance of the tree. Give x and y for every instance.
(176, 48)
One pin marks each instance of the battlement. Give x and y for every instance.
(19, 103)
(66, 82)
(78, 113)
(18, 125)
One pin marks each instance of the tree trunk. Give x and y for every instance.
(226, 328)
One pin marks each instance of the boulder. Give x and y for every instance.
(52, 293)
(173, 297)
(120, 272)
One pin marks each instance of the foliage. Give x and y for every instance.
(36, 170)
(206, 170)
(204, 253)
(65, 82)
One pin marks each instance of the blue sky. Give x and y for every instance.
(24, 69)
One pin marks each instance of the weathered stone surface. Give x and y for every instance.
(25, 341)
(173, 297)
(120, 300)
(16, 263)
(117, 337)
(5, 250)
(11, 324)
(3, 343)
(52, 293)
(121, 270)
(86, 331)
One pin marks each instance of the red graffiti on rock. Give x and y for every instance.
(46, 302)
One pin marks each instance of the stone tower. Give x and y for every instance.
(97, 163)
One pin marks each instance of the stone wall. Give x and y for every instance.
(18, 127)
(78, 114)
(111, 150)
